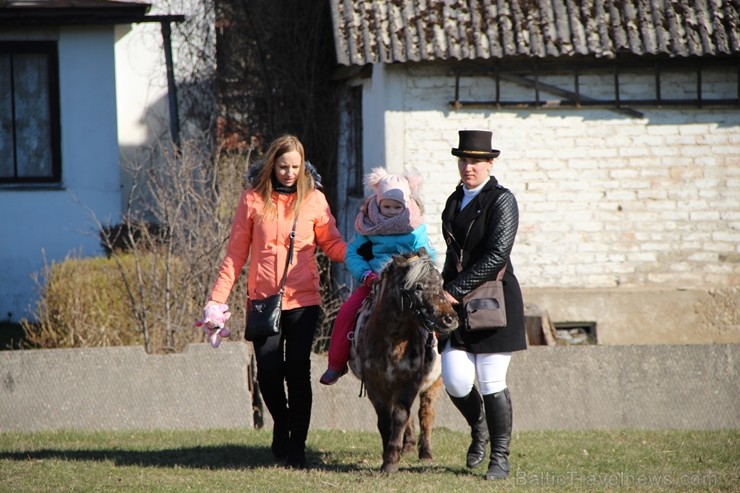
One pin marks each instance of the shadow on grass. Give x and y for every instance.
(335, 463)
(220, 457)
(215, 457)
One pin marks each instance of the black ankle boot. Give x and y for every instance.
(280, 437)
(471, 407)
(498, 417)
(296, 454)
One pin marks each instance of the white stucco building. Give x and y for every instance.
(69, 81)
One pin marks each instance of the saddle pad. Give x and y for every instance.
(363, 314)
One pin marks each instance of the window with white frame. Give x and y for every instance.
(29, 113)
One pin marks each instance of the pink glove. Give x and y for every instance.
(213, 323)
(369, 278)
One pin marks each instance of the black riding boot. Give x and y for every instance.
(471, 407)
(498, 416)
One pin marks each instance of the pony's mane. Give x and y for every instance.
(419, 267)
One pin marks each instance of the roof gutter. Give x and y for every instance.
(63, 17)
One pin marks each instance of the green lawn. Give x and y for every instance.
(240, 461)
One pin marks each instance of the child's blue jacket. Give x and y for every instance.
(383, 247)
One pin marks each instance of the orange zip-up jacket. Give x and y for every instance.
(267, 243)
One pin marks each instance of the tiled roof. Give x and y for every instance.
(386, 31)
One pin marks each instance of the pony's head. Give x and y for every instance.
(421, 290)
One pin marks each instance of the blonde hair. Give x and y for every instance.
(304, 182)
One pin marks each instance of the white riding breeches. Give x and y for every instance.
(460, 368)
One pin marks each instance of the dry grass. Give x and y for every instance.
(239, 460)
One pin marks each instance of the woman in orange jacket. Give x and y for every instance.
(282, 186)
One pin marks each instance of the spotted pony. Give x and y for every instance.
(394, 352)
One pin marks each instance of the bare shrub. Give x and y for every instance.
(162, 258)
(191, 194)
(121, 238)
(332, 297)
(83, 303)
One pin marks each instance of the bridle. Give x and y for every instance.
(407, 299)
(407, 303)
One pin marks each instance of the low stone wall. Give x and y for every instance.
(573, 388)
(124, 388)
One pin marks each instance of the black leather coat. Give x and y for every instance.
(481, 237)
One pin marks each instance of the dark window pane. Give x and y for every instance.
(32, 115)
(6, 119)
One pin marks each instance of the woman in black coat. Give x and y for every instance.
(479, 223)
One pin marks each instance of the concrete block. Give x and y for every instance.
(123, 387)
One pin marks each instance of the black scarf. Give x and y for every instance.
(280, 188)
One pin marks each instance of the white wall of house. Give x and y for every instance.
(606, 200)
(141, 97)
(41, 225)
(384, 120)
(113, 86)
(141, 78)
(141, 81)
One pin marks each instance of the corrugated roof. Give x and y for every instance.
(386, 31)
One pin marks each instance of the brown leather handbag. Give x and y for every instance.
(485, 307)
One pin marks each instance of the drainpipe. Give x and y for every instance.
(171, 87)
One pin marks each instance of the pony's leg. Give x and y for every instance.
(383, 412)
(409, 436)
(427, 414)
(398, 420)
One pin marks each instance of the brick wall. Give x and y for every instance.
(606, 200)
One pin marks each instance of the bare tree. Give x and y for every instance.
(275, 62)
(179, 213)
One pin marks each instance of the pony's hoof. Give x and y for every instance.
(389, 468)
(425, 456)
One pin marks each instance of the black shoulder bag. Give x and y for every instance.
(263, 315)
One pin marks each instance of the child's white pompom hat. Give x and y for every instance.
(400, 188)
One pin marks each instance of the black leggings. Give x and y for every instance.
(285, 359)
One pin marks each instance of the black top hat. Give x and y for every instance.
(475, 143)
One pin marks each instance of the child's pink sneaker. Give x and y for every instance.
(330, 376)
